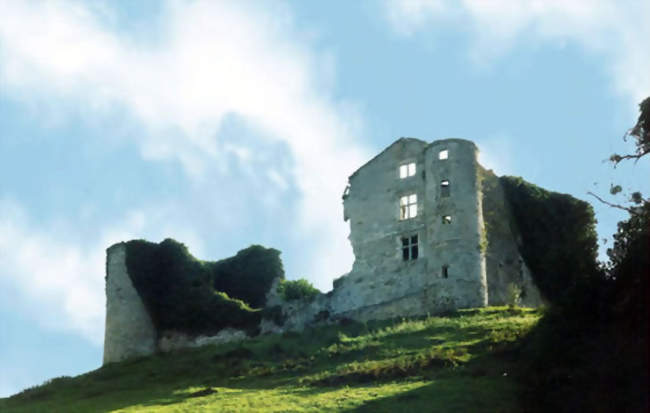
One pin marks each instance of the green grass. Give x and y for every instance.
(466, 361)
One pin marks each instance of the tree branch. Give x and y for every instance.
(616, 159)
(631, 210)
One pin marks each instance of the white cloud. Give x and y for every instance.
(209, 60)
(496, 152)
(615, 29)
(62, 280)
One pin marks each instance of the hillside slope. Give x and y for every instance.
(466, 361)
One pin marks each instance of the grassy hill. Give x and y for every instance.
(464, 362)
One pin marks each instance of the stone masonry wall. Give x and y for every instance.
(129, 329)
(479, 245)
(381, 282)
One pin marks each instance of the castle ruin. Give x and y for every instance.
(431, 232)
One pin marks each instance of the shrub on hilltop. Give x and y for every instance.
(298, 290)
(248, 275)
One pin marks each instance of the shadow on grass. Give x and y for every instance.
(270, 363)
(486, 384)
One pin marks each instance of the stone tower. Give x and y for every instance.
(416, 229)
(454, 219)
(129, 329)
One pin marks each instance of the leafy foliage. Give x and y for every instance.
(298, 290)
(179, 290)
(559, 241)
(630, 270)
(249, 274)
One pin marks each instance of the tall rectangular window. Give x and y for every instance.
(444, 188)
(408, 206)
(445, 271)
(410, 248)
(406, 170)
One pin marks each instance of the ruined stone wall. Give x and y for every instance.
(381, 284)
(478, 247)
(456, 244)
(372, 206)
(129, 329)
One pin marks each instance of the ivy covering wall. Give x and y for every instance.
(559, 240)
(185, 294)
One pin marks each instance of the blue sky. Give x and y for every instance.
(223, 124)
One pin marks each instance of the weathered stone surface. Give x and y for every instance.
(273, 296)
(380, 275)
(478, 244)
(129, 329)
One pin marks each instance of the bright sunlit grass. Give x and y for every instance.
(460, 362)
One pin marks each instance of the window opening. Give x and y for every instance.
(444, 154)
(408, 206)
(444, 188)
(410, 248)
(445, 271)
(406, 170)
(446, 219)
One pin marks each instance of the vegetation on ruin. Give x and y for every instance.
(470, 360)
(301, 289)
(558, 237)
(185, 294)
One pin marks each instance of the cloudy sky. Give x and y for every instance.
(223, 124)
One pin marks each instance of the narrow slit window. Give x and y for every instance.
(444, 154)
(406, 170)
(444, 188)
(408, 206)
(410, 248)
(446, 219)
(445, 271)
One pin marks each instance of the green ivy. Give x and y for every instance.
(199, 297)
(559, 240)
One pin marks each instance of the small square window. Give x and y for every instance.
(408, 206)
(444, 188)
(406, 170)
(444, 154)
(446, 219)
(410, 248)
